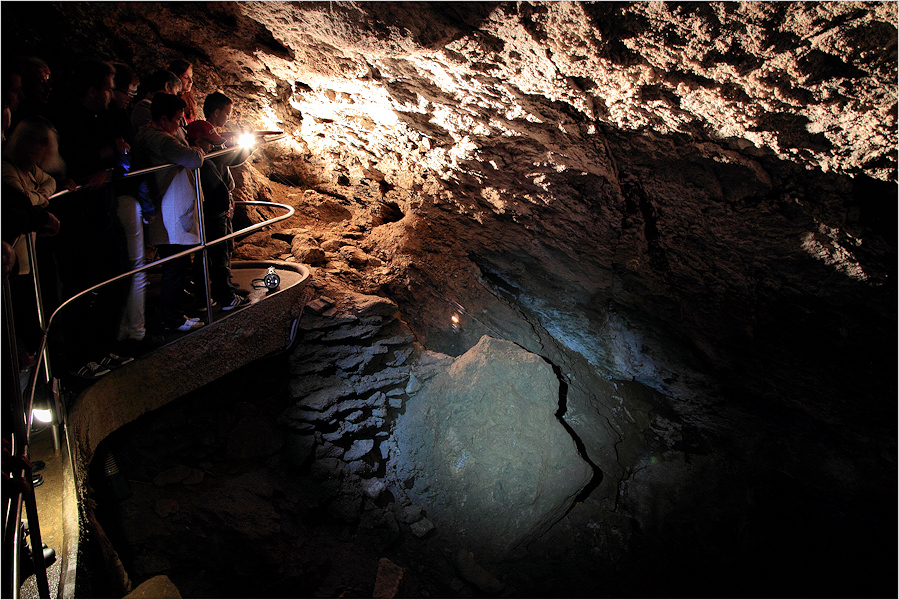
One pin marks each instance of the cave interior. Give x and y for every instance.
(603, 301)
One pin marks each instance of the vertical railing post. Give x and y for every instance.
(44, 357)
(20, 421)
(21, 417)
(12, 551)
(41, 318)
(205, 257)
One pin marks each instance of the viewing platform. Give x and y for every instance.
(266, 324)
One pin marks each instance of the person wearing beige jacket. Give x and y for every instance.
(174, 192)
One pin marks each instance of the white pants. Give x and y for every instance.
(132, 325)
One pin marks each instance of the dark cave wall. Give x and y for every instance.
(687, 209)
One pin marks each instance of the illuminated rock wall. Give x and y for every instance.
(718, 176)
(688, 210)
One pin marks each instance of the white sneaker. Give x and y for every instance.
(187, 325)
(236, 301)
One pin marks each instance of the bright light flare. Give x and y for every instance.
(457, 325)
(42, 415)
(247, 140)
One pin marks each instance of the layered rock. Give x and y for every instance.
(348, 376)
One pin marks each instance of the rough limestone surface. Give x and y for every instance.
(688, 209)
(481, 449)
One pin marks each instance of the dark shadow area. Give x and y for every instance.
(222, 506)
(578, 442)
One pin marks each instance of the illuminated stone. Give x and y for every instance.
(491, 463)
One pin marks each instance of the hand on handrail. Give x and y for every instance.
(51, 227)
(233, 149)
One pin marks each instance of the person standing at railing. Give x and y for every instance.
(20, 218)
(12, 96)
(175, 191)
(31, 151)
(92, 248)
(126, 83)
(185, 72)
(36, 85)
(160, 82)
(134, 211)
(218, 206)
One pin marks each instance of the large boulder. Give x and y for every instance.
(480, 447)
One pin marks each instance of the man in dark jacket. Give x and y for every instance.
(92, 247)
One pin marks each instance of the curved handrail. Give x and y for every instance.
(32, 384)
(233, 150)
(200, 247)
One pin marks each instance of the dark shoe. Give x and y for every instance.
(37, 465)
(37, 479)
(150, 342)
(92, 370)
(27, 563)
(202, 307)
(235, 302)
(132, 347)
(114, 361)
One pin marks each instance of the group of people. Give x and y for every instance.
(86, 141)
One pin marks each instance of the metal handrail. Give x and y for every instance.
(32, 383)
(146, 171)
(201, 247)
(21, 489)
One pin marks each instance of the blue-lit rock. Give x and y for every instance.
(481, 449)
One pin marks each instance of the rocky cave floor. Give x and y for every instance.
(224, 511)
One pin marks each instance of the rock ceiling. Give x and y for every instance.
(659, 187)
(810, 83)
